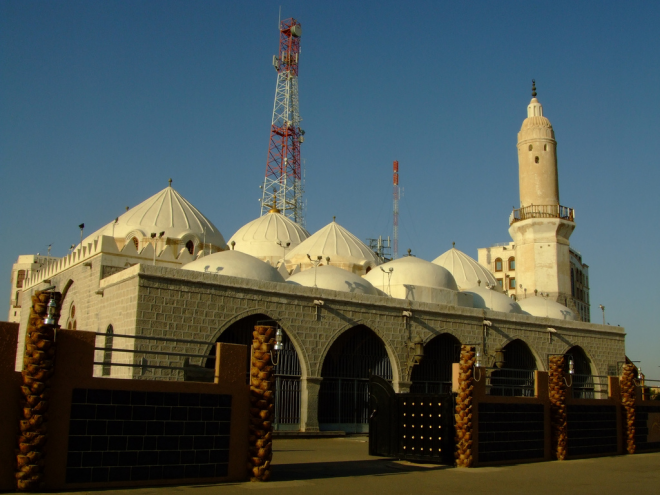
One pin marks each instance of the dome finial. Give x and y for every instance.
(274, 209)
(170, 181)
(533, 88)
(453, 245)
(334, 219)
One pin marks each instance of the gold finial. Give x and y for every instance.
(334, 219)
(453, 244)
(274, 208)
(533, 88)
(170, 181)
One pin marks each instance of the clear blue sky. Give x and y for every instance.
(102, 101)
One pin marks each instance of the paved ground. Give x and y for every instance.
(342, 466)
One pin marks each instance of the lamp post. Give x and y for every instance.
(603, 310)
(153, 236)
(316, 263)
(284, 246)
(389, 278)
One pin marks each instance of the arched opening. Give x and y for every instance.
(516, 377)
(107, 353)
(344, 394)
(135, 242)
(433, 374)
(583, 379)
(287, 371)
(190, 246)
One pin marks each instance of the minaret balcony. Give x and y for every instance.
(542, 211)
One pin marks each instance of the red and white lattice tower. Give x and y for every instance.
(395, 221)
(283, 184)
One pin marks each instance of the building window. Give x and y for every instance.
(107, 353)
(500, 283)
(20, 278)
(512, 263)
(545, 147)
(72, 311)
(190, 247)
(512, 283)
(531, 147)
(498, 265)
(536, 159)
(135, 242)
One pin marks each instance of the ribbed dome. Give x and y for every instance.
(412, 271)
(466, 271)
(166, 211)
(540, 306)
(333, 278)
(260, 237)
(536, 121)
(235, 264)
(495, 301)
(344, 249)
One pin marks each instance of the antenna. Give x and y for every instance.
(283, 164)
(395, 221)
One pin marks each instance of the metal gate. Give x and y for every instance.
(416, 427)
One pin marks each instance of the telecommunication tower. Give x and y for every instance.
(283, 185)
(395, 220)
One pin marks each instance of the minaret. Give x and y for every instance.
(541, 227)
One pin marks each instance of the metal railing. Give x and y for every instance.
(650, 389)
(507, 382)
(590, 386)
(144, 364)
(542, 211)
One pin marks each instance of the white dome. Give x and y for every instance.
(166, 211)
(333, 278)
(260, 237)
(344, 249)
(235, 264)
(540, 306)
(466, 271)
(490, 299)
(412, 271)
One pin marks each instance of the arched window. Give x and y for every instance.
(19, 279)
(545, 147)
(72, 311)
(135, 242)
(536, 159)
(107, 353)
(498, 265)
(512, 263)
(190, 246)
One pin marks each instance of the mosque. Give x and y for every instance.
(163, 270)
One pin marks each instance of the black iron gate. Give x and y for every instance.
(416, 427)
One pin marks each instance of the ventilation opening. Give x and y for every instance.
(190, 247)
(536, 159)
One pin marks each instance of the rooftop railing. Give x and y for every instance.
(542, 211)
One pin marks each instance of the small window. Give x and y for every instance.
(512, 283)
(498, 265)
(69, 326)
(107, 353)
(20, 278)
(367, 270)
(135, 242)
(72, 311)
(512, 263)
(531, 147)
(500, 283)
(545, 147)
(190, 247)
(74, 325)
(536, 159)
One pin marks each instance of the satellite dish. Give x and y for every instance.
(296, 31)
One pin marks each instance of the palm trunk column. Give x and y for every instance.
(262, 404)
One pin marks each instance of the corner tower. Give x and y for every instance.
(541, 227)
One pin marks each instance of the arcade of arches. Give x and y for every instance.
(338, 399)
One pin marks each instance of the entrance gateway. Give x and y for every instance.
(416, 427)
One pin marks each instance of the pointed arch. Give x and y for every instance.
(434, 374)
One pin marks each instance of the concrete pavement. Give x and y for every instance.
(343, 466)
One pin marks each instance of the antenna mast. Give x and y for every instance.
(283, 164)
(395, 221)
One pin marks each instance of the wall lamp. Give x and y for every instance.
(407, 314)
(550, 332)
(318, 302)
(277, 348)
(417, 355)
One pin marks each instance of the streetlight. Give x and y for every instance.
(284, 246)
(603, 310)
(316, 264)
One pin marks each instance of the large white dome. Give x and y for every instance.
(235, 264)
(168, 212)
(343, 248)
(333, 278)
(260, 237)
(412, 271)
(467, 271)
(490, 299)
(540, 306)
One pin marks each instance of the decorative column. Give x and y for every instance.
(627, 385)
(558, 416)
(309, 403)
(463, 439)
(262, 404)
(38, 366)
